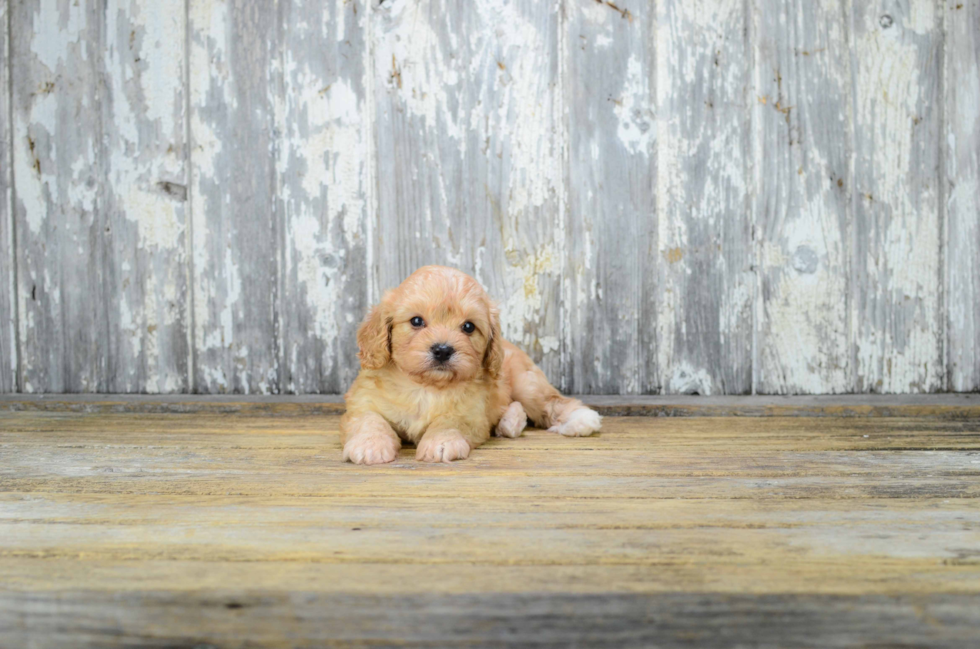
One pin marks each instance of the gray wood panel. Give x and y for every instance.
(323, 188)
(706, 282)
(144, 128)
(221, 618)
(962, 102)
(896, 297)
(233, 50)
(802, 149)
(711, 197)
(611, 229)
(8, 285)
(469, 167)
(63, 231)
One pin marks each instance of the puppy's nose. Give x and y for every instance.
(442, 352)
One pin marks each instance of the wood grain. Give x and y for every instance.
(945, 406)
(323, 168)
(802, 154)
(666, 198)
(63, 231)
(962, 119)
(144, 129)
(156, 530)
(233, 49)
(153, 619)
(611, 230)
(101, 195)
(896, 303)
(8, 283)
(469, 159)
(706, 285)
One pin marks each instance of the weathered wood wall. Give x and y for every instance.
(712, 196)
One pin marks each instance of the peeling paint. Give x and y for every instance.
(637, 126)
(144, 117)
(323, 167)
(962, 122)
(9, 353)
(51, 22)
(895, 319)
(686, 379)
(704, 299)
(802, 207)
(755, 270)
(481, 115)
(420, 72)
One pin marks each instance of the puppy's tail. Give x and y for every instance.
(548, 408)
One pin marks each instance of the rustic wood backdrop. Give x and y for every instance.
(712, 196)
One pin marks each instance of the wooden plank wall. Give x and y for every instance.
(707, 196)
(961, 85)
(8, 317)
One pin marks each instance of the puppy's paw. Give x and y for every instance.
(442, 446)
(513, 422)
(580, 422)
(371, 447)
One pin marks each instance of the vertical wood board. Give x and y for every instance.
(145, 195)
(469, 166)
(896, 293)
(962, 102)
(706, 282)
(323, 192)
(611, 224)
(234, 54)
(63, 234)
(8, 286)
(802, 150)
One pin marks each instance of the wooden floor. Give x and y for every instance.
(245, 530)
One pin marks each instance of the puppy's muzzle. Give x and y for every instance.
(441, 352)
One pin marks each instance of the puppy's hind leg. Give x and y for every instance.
(513, 422)
(549, 409)
(574, 419)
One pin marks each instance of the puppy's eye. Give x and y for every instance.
(417, 322)
(468, 327)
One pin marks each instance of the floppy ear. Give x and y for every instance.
(374, 337)
(493, 358)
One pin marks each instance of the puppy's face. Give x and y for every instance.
(438, 326)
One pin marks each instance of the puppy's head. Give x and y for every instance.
(438, 326)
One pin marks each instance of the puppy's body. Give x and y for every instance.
(436, 372)
(411, 408)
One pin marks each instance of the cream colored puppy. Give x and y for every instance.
(435, 371)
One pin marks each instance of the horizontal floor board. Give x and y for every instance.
(511, 485)
(856, 405)
(238, 465)
(224, 617)
(950, 539)
(804, 575)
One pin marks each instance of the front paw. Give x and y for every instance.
(371, 448)
(442, 446)
(580, 422)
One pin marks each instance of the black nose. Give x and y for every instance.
(442, 352)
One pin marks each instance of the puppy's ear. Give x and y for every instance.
(374, 336)
(493, 358)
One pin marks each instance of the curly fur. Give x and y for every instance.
(446, 409)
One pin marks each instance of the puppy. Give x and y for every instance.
(436, 372)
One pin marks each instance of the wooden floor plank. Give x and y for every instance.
(136, 529)
(942, 405)
(166, 619)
